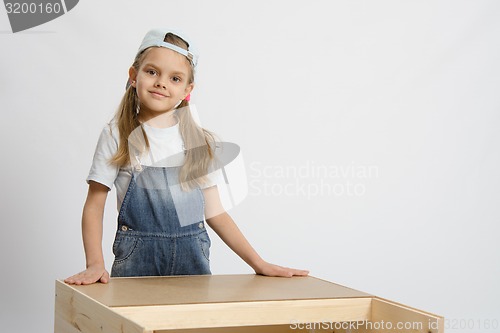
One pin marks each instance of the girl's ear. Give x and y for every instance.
(132, 74)
(188, 90)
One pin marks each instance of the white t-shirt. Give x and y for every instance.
(166, 149)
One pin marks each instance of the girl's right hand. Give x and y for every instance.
(89, 276)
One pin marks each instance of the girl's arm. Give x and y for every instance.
(228, 231)
(92, 217)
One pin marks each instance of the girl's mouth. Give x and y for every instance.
(157, 94)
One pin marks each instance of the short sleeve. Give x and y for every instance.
(214, 178)
(102, 171)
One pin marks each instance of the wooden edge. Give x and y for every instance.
(388, 316)
(260, 329)
(185, 316)
(75, 312)
(341, 285)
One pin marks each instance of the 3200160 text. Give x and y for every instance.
(33, 8)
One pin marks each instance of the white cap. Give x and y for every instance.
(156, 37)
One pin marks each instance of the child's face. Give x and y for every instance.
(161, 81)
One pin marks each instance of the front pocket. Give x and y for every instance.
(124, 247)
(205, 243)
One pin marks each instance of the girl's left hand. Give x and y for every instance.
(275, 270)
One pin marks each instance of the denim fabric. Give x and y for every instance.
(161, 229)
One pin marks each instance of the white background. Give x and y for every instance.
(409, 88)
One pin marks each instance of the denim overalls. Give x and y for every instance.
(161, 229)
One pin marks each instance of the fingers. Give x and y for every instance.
(280, 271)
(75, 279)
(299, 272)
(105, 277)
(289, 272)
(69, 280)
(88, 277)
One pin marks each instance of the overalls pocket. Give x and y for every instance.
(124, 247)
(205, 243)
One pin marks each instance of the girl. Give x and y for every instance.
(160, 161)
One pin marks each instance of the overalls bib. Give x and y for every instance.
(161, 229)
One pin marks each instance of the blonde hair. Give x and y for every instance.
(199, 143)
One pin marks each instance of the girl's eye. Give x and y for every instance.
(151, 71)
(176, 79)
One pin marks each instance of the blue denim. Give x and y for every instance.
(161, 229)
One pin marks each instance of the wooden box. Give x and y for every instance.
(231, 303)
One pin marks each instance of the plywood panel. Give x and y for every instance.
(212, 289)
(248, 313)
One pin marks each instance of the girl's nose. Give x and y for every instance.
(160, 83)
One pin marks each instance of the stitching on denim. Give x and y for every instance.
(144, 234)
(137, 241)
(201, 242)
(173, 255)
(126, 198)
